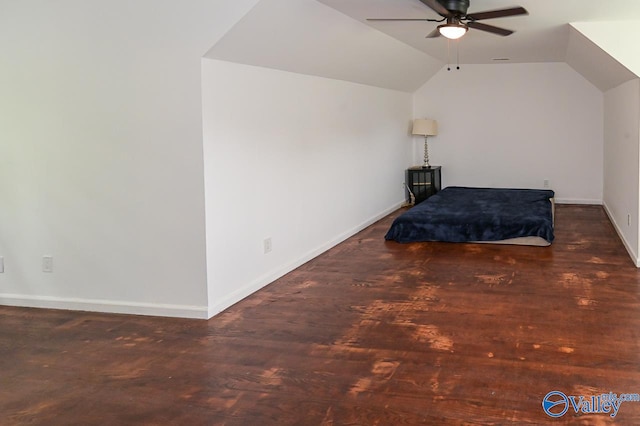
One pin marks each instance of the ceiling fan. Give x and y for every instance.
(458, 21)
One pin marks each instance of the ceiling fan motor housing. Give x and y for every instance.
(458, 21)
(457, 7)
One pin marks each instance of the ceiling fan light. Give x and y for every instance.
(453, 31)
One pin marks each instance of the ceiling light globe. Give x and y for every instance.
(453, 31)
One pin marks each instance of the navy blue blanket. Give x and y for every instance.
(459, 214)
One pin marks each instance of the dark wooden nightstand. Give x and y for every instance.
(423, 182)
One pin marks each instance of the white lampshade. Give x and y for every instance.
(425, 127)
(453, 31)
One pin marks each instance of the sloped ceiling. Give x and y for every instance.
(620, 41)
(596, 65)
(307, 37)
(333, 39)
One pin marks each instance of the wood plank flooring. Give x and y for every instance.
(369, 333)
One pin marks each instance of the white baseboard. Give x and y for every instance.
(271, 276)
(104, 306)
(578, 201)
(181, 311)
(630, 250)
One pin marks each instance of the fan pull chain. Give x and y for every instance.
(449, 55)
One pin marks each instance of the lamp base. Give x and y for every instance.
(426, 164)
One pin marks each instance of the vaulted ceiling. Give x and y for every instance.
(333, 39)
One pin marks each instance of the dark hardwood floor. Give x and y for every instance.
(369, 333)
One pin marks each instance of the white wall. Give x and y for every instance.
(304, 160)
(515, 125)
(621, 130)
(101, 153)
(622, 161)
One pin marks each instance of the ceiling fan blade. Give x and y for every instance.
(501, 13)
(440, 9)
(403, 19)
(489, 28)
(434, 34)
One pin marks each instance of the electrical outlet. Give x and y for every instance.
(628, 220)
(47, 263)
(267, 245)
(1, 264)
(546, 183)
